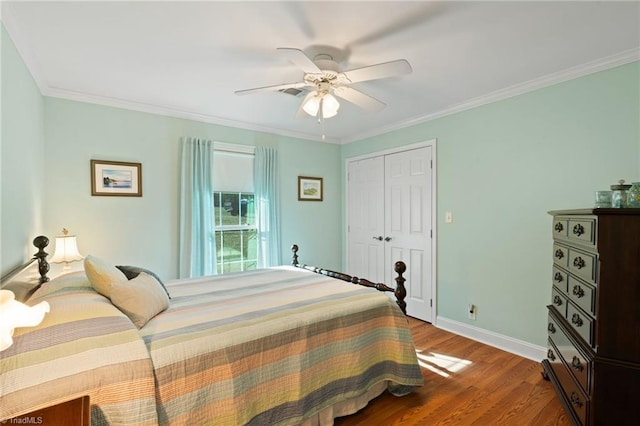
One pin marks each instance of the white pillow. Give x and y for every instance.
(102, 274)
(140, 298)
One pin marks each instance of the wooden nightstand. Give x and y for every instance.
(76, 412)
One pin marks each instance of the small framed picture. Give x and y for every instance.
(116, 178)
(309, 188)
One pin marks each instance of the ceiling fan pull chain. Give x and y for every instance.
(321, 117)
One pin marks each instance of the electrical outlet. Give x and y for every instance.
(471, 311)
(448, 217)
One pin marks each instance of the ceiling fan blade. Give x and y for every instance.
(297, 57)
(298, 11)
(419, 15)
(358, 98)
(271, 88)
(383, 70)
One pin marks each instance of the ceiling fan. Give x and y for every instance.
(323, 75)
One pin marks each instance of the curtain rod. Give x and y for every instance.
(234, 148)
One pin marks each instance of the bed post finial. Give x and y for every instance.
(43, 266)
(294, 258)
(401, 291)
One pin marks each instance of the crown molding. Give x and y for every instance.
(602, 64)
(169, 111)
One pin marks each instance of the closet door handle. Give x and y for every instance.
(379, 238)
(387, 239)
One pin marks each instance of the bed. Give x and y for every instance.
(280, 346)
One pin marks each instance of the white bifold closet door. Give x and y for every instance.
(389, 219)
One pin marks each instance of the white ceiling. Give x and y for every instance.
(186, 59)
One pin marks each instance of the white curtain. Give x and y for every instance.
(267, 199)
(197, 250)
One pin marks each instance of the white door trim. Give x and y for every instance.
(429, 143)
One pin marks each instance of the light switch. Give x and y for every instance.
(448, 217)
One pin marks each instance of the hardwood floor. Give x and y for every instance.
(466, 383)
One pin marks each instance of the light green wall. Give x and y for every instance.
(144, 231)
(21, 159)
(500, 168)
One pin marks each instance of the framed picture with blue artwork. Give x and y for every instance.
(116, 178)
(309, 188)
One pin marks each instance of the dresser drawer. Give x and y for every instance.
(583, 264)
(582, 230)
(560, 255)
(559, 300)
(582, 294)
(571, 391)
(581, 322)
(560, 226)
(560, 278)
(578, 363)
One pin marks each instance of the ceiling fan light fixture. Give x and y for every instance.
(330, 106)
(321, 102)
(312, 104)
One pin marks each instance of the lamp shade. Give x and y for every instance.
(330, 105)
(66, 249)
(14, 314)
(312, 104)
(317, 101)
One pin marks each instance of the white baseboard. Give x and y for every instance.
(506, 343)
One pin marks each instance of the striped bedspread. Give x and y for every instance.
(274, 347)
(84, 346)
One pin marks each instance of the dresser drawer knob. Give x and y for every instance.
(551, 328)
(575, 363)
(579, 262)
(558, 227)
(575, 399)
(559, 254)
(557, 300)
(578, 230)
(551, 355)
(558, 277)
(575, 318)
(578, 291)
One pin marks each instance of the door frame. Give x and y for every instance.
(428, 143)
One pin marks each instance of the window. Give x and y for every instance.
(234, 210)
(235, 228)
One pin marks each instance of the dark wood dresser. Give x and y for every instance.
(593, 357)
